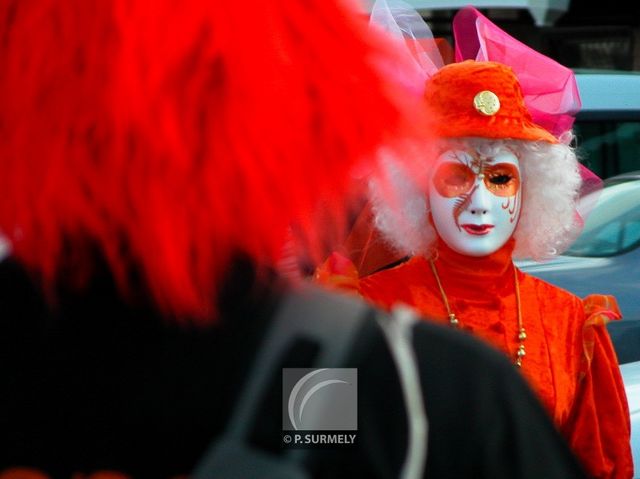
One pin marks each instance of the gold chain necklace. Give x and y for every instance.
(455, 322)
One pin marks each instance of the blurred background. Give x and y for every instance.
(600, 41)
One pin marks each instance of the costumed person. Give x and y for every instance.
(504, 184)
(154, 157)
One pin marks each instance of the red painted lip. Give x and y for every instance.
(478, 230)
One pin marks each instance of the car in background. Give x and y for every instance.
(605, 258)
(607, 127)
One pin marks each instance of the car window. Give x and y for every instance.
(608, 147)
(613, 226)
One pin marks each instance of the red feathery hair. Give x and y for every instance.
(170, 134)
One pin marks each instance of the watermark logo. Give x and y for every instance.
(319, 405)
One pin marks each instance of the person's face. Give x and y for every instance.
(475, 200)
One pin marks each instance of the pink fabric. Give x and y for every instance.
(589, 193)
(550, 89)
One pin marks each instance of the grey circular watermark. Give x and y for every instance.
(323, 399)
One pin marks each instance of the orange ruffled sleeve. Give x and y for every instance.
(599, 429)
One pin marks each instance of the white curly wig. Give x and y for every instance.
(550, 184)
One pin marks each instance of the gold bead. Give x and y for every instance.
(522, 335)
(521, 352)
(453, 320)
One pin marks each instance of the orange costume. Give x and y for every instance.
(569, 358)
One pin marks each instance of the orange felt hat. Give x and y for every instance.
(480, 99)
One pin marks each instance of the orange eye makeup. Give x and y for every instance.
(502, 179)
(456, 179)
(453, 179)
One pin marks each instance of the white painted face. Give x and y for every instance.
(475, 200)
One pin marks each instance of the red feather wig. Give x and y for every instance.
(170, 134)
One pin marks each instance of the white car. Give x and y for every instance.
(606, 257)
